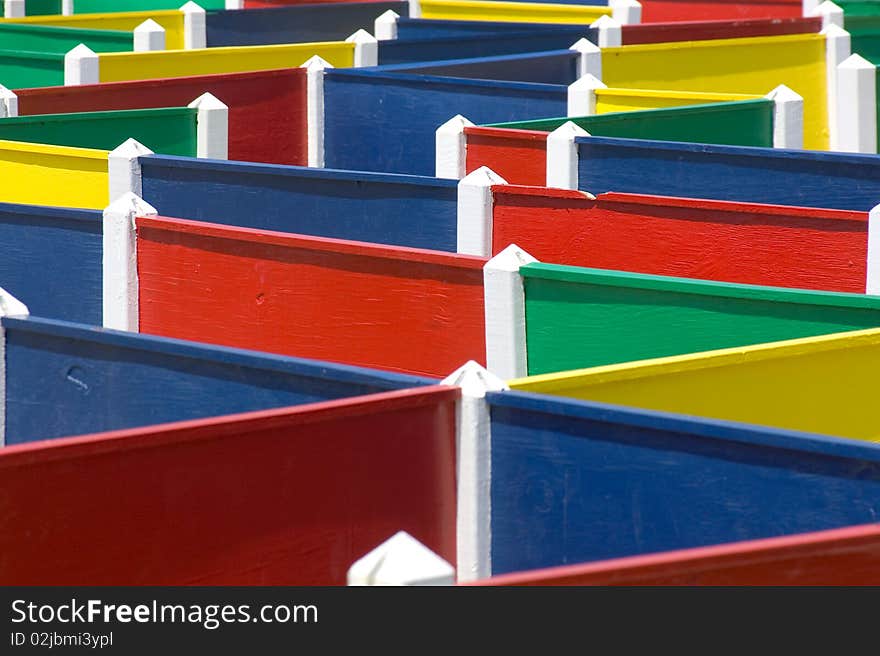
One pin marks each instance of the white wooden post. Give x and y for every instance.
(366, 49)
(67, 8)
(450, 148)
(81, 66)
(475, 212)
(385, 25)
(124, 169)
(149, 35)
(562, 156)
(9, 307)
(213, 127)
(837, 49)
(788, 118)
(120, 280)
(8, 103)
(857, 106)
(13, 8)
(315, 67)
(590, 61)
(831, 14)
(626, 12)
(808, 7)
(872, 274)
(415, 8)
(473, 459)
(505, 308)
(401, 560)
(582, 95)
(194, 26)
(610, 32)
(234, 4)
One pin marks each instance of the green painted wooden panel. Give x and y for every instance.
(47, 38)
(110, 6)
(169, 131)
(859, 7)
(577, 317)
(42, 7)
(20, 70)
(739, 123)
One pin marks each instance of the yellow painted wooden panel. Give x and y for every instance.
(753, 66)
(822, 384)
(53, 175)
(512, 11)
(118, 66)
(171, 20)
(628, 100)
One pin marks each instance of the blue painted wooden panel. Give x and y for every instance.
(426, 28)
(474, 44)
(295, 24)
(386, 122)
(575, 481)
(398, 210)
(67, 379)
(753, 175)
(549, 67)
(50, 259)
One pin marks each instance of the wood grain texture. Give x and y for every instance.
(845, 556)
(518, 156)
(70, 379)
(754, 65)
(731, 242)
(575, 481)
(795, 385)
(267, 109)
(759, 175)
(417, 312)
(393, 129)
(417, 212)
(50, 259)
(295, 23)
(198, 502)
(558, 67)
(577, 317)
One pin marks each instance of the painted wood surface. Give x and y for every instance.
(189, 499)
(755, 65)
(120, 66)
(111, 6)
(859, 8)
(864, 36)
(294, 24)
(517, 150)
(172, 21)
(398, 114)
(46, 38)
(578, 317)
(625, 100)
(26, 69)
(416, 212)
(416, 312)
(54, 175)
(732, 242)
(69, 379)
(654, 11)
(267, 109)
(758, 175)
(170, 130)
(512, 11)
(575, 481)
(846, 556)
(52, 257)
(558, 67)
(42, 7)
(794, 385)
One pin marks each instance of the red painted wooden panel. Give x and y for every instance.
(847, 556)
(714, 240)
(518, 156)
(406, 310)
(267, 109)
(720, 29)
(659, 11)
(289, 496)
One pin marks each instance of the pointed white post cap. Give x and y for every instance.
(207, 101)
(361, 36)
(588, 81)
(11, 306)
(316, 63)
(834, 31)
(482, 177)
(568, 131)
(8, 102)
(831, 14)
(130, 148)
(605, 21)
(856, 62)
(455, 125)
(149, 25)
(401, 560)
(584, 45)
(510, 259)
(192, 8)
(474, 380)
(385, 25)
(783, 93)
(132, 204)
